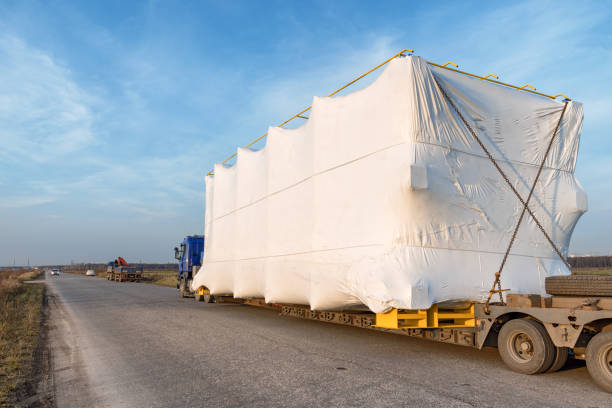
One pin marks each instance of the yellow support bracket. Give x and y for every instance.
(432, 318)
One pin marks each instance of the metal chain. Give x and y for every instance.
(516, 193)
(518, 224)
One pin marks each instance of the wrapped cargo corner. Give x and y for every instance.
(383, 197)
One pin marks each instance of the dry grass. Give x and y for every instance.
(160, 277)
(166, 281)
(20, 325)
(592, 271)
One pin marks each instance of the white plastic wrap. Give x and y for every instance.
(383, 198)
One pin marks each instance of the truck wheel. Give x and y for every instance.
(599, 359)
(208, 298)
(183, 290)
(579, 285)
(561, 355)
(525, 346)
(198, 297)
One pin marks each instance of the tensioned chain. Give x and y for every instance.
(507, 180)
(518, 224)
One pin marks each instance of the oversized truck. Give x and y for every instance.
(433, 203)
(189, 256)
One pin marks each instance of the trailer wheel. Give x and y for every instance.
(599, 359)
(561, 355)
(206, 297)
(525, 346)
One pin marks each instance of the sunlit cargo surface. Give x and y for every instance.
(384, 198)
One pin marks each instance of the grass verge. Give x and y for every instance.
(164, 281)
(21, 307)
(592, 271)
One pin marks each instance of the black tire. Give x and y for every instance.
(599, 359)
(183, 289)
(208, 298)
(579, 285)
(525, 347)
(561, 355)
(198, 297)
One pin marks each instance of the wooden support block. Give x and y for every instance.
(516, 300)
(570, 302)
(546, 302)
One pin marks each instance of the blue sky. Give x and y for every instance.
(112, 112)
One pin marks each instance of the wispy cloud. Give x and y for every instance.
(45, 115)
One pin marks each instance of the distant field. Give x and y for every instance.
(20, 325)
(592, 271)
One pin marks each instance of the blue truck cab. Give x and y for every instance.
(189, 255)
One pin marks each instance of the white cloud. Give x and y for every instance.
(44, 113)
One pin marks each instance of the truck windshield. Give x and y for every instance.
(179, 252)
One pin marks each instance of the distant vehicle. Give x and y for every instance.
(55, 272)
(90, 272)
(121, 271)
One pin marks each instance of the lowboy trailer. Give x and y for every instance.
(534, 334)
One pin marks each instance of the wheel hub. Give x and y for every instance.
(523, 347)
(607, 355)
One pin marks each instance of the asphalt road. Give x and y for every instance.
(138, 345)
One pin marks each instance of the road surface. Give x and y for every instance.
(139, 345)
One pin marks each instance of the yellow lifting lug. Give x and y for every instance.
(528, 86)
(450, 63)
(565, 96)
(401, 53)
(490, 75)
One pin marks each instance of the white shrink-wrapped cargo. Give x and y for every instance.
(384, 198)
